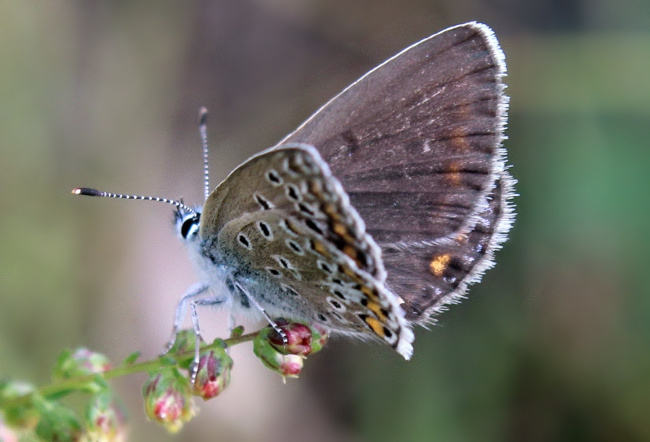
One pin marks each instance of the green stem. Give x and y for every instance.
(69, 385)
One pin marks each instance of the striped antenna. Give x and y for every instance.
(203, 119)
(96, 193)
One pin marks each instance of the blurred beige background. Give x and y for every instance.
(553, 345)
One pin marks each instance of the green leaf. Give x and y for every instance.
(237, 332)
(130, 359)
(56, 421)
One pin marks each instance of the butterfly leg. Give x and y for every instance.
(197, 330)
(252, 300)
(194, 291)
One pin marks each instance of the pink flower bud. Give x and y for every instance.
(291, 365)
(213, 373)
(288, 365)
(168, 399)
(298, 338)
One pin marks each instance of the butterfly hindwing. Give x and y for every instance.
(300, 249)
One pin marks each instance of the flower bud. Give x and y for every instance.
(291, 365)
(213, 373)
(80, 362)
(168, 398)
(298, 338)
(19, 416)
(288, 365)
(105, 420)
(301, 339)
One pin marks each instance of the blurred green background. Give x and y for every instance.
(553, 345)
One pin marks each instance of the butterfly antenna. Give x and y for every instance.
(203, 119)
(96, 193)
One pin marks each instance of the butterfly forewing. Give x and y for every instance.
(416, 144)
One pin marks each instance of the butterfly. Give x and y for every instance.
(379, 210)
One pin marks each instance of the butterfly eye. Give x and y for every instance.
(190, 226)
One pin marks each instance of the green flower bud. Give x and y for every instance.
(105, 420)
(80, 362)
(168, 398)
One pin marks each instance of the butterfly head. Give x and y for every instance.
(187, 222)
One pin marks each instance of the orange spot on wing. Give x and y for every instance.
(376, 326)
(369, 292)
(376, 308)
(439, 264)
(320, 248)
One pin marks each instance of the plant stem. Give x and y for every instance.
(63, 387)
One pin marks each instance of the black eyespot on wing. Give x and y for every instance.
(313, 226)
(273, 177)
(243, 240)
(294, 246)
(305, 209)
(292, 192)
(265, 229)
(262, 202)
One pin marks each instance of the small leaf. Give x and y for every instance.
(56, 422)
(237, 332)
(219, 343)
(185, 341)
(167, 361)
(130, 359)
